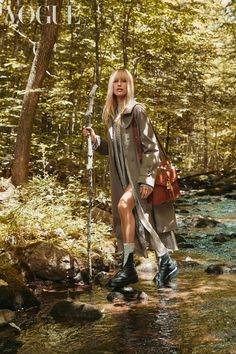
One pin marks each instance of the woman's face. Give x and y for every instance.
(120, 87)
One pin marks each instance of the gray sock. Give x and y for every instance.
(128, 248)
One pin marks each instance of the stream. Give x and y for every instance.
(196, 315)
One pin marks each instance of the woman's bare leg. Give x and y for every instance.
(125, 209)
(167, 268)
(127, 274)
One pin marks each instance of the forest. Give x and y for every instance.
(181, 54)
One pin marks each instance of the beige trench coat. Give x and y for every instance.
(162, 217)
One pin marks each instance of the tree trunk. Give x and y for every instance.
(31, 96)
(167, 138)
(125, 34)
(205, 148)
(96, 11)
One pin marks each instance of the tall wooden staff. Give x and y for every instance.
(88, 119)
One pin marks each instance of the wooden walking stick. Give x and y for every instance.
(88, 119)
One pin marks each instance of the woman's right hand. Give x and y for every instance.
(89, 131)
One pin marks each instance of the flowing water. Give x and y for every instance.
(197, 315)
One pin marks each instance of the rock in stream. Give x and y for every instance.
(73, 310)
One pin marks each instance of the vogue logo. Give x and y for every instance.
(43, 14)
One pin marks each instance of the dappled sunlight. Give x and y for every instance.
(66, 160)
(196, 315)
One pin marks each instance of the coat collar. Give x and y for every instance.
(127, 115)
(130, 106)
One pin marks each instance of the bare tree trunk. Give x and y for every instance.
(205, 158)
(216, 155)
(29, 51)
(96, 10)
(167, 138)
(31, 96)
(125, 34)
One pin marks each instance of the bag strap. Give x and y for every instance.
(138, 143)
(136, 139)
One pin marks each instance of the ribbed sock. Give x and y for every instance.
(128, 248)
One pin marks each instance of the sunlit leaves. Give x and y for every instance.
(183, 53)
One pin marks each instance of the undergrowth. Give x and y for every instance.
(46, 210)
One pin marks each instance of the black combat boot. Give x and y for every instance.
(167, 270)
(126, 275)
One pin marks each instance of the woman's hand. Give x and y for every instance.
(89, 131)
(145, 190)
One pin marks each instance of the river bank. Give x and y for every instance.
(195, 315)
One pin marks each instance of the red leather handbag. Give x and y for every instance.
(166, 188)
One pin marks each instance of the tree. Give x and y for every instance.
(181, 53)
(31, 96)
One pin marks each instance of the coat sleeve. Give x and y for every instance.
(149, 144)
(100, 146)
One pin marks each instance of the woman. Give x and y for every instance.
(137, 224)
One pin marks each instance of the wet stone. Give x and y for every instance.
(115, 296)
(8, 333)
(73, 310)
(189, 263)
(201, 222)
(9, 344)
(221, 238)
(218, 269)
(181, 238)
(230, 196)
(185, 245)
(14, 294)
(183, 211)
(101, 279)
(127, 294)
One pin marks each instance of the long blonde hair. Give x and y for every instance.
(109, 111)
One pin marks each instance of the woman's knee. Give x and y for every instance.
(125, 206)
(122, 206)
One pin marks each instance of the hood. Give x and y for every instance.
(127, 116)
(130, 106)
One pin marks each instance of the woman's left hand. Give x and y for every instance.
(145, 190)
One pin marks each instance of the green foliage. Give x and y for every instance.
(47, 210)
(43, 205)
(182, 54)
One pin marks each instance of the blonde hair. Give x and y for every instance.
(109, 111)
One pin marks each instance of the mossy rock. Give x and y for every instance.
(14, 294)
(47, 261)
